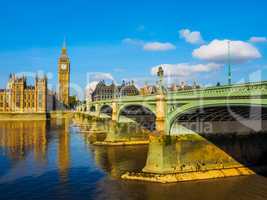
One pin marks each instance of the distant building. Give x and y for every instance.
(152, 89)
(148, 90)
(20, 97)
(104, 91)
(183, 86)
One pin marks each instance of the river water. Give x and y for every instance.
(53, 160)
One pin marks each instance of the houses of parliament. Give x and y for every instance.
(20, 97)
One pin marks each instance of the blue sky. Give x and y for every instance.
(128, 38)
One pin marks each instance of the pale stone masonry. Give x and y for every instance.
(21, 97)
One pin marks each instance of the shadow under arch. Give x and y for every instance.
(138, 113)
(106, 109)
(238, 130)
(192, 109)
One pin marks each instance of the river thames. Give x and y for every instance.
(54, 160)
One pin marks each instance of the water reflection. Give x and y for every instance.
(118, 160)
(17, 139)
(64, 150)
(53, 160)
(25, 144)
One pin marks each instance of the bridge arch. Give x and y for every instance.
(142, 114)
(106, 109)
(151, 108)
(210, 112)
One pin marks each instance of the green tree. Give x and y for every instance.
(74, 101)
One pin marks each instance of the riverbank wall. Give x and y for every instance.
(38, 116)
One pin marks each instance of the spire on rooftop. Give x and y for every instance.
(64, 47)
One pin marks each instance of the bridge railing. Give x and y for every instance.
(126, 98)
(247, 89)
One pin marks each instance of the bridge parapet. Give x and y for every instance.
(248, 89)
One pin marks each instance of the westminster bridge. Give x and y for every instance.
(239, 148)
(223, 103)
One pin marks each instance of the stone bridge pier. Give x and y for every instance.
(161, 115)
(114, 115)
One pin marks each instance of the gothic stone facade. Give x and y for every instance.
(104, 91)
(20, 97)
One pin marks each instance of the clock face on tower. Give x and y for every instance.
(63, 66)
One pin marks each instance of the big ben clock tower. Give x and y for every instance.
(64, 76)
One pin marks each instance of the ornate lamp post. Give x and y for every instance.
(160, 74)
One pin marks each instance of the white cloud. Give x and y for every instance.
(185, 69)
(158, 46)
(150, 46)
(192, 37)
(217, 51)
(258, 39)
(91, 86)
(97, 76)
